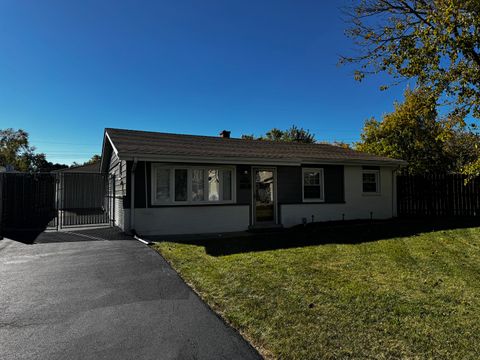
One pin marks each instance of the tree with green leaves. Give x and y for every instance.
(41, 164)
(94, 159)
(292, 134)
(15, 149)
(434, 42)
(414, 132)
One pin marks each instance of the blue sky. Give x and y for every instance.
(68, 69)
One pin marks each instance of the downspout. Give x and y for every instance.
(132, 196)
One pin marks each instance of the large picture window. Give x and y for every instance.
(176, 185)
(313, 184)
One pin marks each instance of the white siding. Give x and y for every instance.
(190, 219)
(357, 205)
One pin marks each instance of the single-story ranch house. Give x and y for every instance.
(180, 184)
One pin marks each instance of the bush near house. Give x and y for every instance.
(382, 290)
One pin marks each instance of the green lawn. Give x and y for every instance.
(387, 290)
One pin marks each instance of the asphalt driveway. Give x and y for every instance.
(73, 296)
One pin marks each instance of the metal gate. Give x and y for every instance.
(56, 200)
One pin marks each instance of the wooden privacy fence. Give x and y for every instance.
(437, 195)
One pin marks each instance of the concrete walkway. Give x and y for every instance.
(85, 298)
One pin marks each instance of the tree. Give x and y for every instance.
(414, 133)
(293, 134)
(276, 135)
(40, 164)
(95, 158)
(248, 137)
(15, 149)
(342, 144)
(435, 42)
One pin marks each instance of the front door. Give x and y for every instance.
(264, 195)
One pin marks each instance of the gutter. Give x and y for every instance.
(132, 196)
(258, 161)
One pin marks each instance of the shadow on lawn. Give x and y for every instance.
(345, 232)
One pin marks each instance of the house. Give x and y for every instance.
(179, 184)
(86, 168)
(80, 192)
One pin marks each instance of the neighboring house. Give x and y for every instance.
(183, 184)
(8, 169)
(81, 187)
(87, 168)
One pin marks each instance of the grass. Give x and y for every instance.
(343, 292)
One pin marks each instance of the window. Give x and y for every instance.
(181, 181)
(370, 181)
(191, 185)
(198, 185)
(162, 184)
(213, 185)
(312, 184)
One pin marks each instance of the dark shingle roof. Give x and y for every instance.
(88, 168)
(143, 143)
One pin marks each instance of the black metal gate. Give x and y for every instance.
(56, 200)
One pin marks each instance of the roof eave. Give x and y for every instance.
(258, 161)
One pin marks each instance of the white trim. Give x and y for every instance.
(256, 161)
(377, 181)
(254, 203)
(321, 185)
(189, 168)
(102, 158)
(113, 146)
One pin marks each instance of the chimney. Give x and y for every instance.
(225, 134)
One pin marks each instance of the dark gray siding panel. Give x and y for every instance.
(140, 194)
(244, 184)
(334, 184)
(289, 183)
(128, 191)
